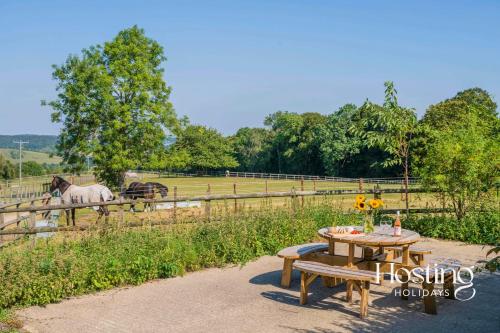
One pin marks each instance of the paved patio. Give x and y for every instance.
(250, 299)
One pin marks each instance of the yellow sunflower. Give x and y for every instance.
(361, 206)
(374, 203)
(381, 202)
(360, 198)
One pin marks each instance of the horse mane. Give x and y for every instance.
(61, 183)
(61, 180)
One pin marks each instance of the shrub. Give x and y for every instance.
(58, 268)
(479, 228)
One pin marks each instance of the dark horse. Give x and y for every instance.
(145, 191)
(71, 194)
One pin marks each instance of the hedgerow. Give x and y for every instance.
(478, 228)
(54, 269)
(50, 270)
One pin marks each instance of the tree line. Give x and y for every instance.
(113, 104)
(9, 170)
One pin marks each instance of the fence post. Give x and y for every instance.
(121, 213)
(2, 220)
(402, 190)
(235, 200)
(32, 214)
(175, 204)
(361, 184)
(314, 189)
(18, 215)
(207, 204)
(293, 200)
(302, 189)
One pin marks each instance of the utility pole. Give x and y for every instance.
(21, 142)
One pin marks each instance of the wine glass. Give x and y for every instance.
(385, 222)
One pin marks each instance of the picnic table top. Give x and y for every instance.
(382, 236)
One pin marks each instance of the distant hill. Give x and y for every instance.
(41, 143)
(35, 156)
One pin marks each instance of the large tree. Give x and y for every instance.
(252, 148)
(345, 153)
(114, 106)
(204, 149)
(392, 128)
(462, 163)
(456, 110)
(296, 142)
(7, 169)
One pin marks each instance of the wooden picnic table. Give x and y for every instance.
(381, 237)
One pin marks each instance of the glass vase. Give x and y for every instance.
(368, 227)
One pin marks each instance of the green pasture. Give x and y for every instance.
(35, 156)
(196, 186)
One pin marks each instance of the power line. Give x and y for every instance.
(20, 142)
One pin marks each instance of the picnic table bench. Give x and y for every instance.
(355, 279)
(290, 254)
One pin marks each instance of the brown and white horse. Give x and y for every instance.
(82, 194)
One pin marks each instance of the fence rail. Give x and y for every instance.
(32, 211)
(281, 176)
(393, 180)
(208, 197)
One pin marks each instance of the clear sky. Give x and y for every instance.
(231, 63)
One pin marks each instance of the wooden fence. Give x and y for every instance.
(11, 191)
(281, 176)
(28, 211)
(277, 176)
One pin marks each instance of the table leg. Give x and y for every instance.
(350, 257)
(367, 253)
(405, 261)
(331, 247)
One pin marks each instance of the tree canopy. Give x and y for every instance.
(296, 142)
(462, 163)
(114, 105)
(456, 110)
(252, 149)
(204, 149)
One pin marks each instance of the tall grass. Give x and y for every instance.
(476, 227)
(45, 271)
(54, 269)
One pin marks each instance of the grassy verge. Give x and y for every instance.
(52, 270)
(478, 228)
(8, 321)
(68, 265)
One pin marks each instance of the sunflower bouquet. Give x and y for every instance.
(369, 209)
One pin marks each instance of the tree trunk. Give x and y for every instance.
(406, 187)
(121, 182)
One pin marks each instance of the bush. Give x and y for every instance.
(479, 228)
(55, 269)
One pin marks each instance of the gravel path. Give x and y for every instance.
(249, 299)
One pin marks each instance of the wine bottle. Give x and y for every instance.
(397, 226)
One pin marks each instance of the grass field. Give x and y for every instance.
(192, 186)
(195, 186)
(35, 156)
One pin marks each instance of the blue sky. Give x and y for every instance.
(231, 63)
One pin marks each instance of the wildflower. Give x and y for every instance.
(360, 198)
